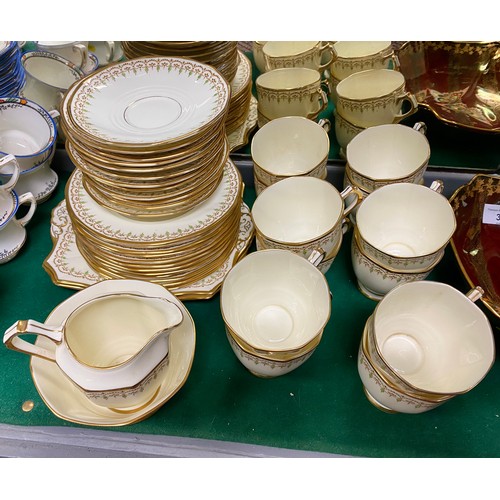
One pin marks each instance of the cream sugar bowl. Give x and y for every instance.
(275, 306)
(289, 146)
(12, 230)
(303, 215)
(112, 347)
(290, 92)
(432, 343)
(374, 97)
(298, 54)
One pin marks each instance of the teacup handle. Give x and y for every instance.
(327, 47)
(475, 294)
(83, 51)
(324, 104)
(27, 198)
(326, 124)
(12, 339)
(14, 176)
(420, 127)
(408, 97)
(110, 51)
(437, 185)
(316, 257)
(347, 192)
(396, 65)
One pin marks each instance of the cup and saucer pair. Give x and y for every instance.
(67, 402)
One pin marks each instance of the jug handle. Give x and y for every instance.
(13, 341)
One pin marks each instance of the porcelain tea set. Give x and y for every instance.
(124, 344)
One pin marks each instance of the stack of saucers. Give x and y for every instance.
(12, 75)
(173, 252)
(223, 56)
(241, 94)
(149, 135)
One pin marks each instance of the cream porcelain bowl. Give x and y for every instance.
(275, 301)
(404, 226)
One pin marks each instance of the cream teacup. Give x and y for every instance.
(345, 132)
(385, 154)
(374, 97)
(303, 215)
(290, 92)
(275, 306)
(350, 57)
(12, 231)
(258, 55)
(112, 347)
(433, 338)
(75, 51)
(48, 77)
(405, 227)
(300, 54)
(27, 131)
(290, 146)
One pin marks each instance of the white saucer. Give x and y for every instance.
(239, 137)
(41, 181)
(69, 403)
(12, 239)
(67, 267)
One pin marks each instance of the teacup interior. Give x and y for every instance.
(297, 209)
(288, 78)
(290, 145)
(370, 84)
(406, 220)
(386, 152)
(23, 130)
(54, 72)
(352, 49)
(275, 300)
(110, 330)
(434, 337)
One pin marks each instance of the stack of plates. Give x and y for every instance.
(12, 74)
(149, 135)
(173, 252)
(241, 94)
(223, 56)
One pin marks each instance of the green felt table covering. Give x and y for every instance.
(318, 407)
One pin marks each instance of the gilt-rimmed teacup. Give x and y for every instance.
(290, 92)
(404, 226)
(375, 280)
(345, 132)
(298, 54)
(374, 97)
(48, 77)
(258, 55)
(12, 230)
(354, 56)
(27, 131)
(290, 146)
(278, 303)
(76, 52)
(385, 154)
(434, 338)
(302, 215)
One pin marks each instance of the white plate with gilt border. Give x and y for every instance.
(69, 269)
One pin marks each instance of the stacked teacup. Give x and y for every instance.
(28, 133)
(386, 154)
(292, 83)
(425, 343)
(289, 146)
(367, 88)
(12, 231)
(400, 236)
